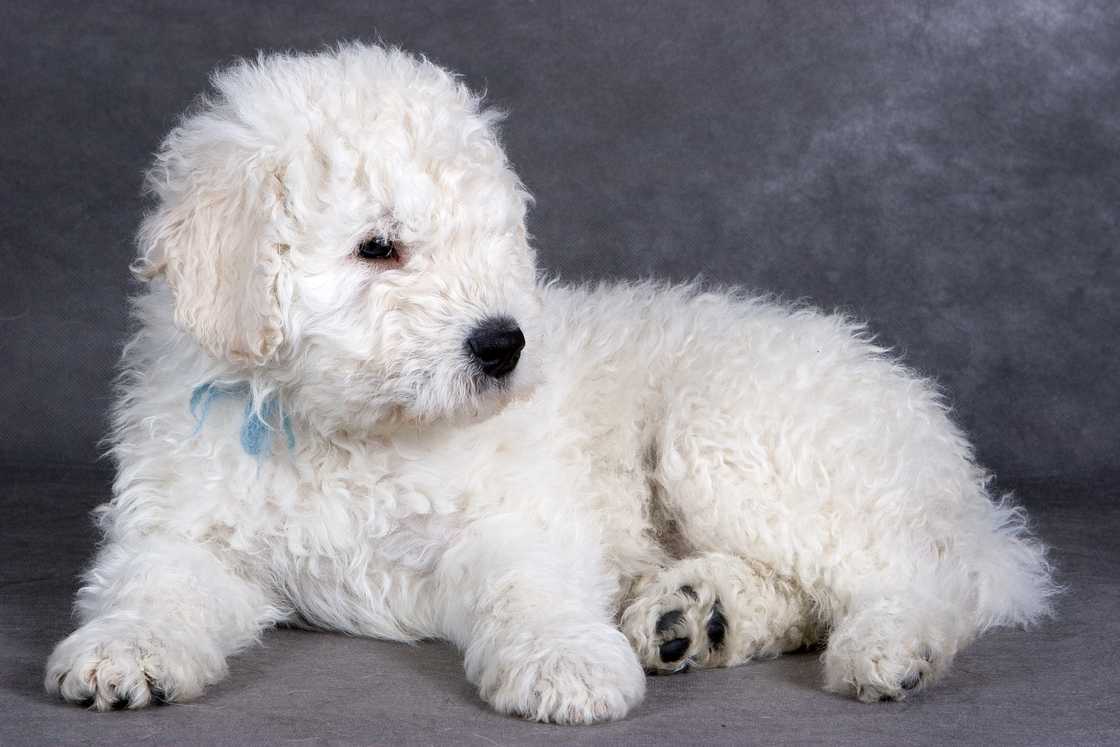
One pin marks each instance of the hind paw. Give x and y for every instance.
(674, 629)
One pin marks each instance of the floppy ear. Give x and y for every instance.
(212, 238)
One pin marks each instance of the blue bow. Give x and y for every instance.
(256, 429)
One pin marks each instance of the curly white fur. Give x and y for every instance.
(658, 449)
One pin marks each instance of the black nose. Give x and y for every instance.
(496, 346)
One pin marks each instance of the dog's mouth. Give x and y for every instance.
(491, 395)
(483, 384)
(472, 395)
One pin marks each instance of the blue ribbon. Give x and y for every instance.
(256, 427)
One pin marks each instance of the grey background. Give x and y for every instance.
(949, 171)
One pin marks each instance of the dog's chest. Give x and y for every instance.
(360, 505)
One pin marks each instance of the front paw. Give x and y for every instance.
(586, 675)
(113, 665)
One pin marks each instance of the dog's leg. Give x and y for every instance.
(715, 610)
(159, 619)
(531, 610)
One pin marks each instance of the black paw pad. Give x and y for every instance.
(669, 620)
(717, 627)
(673, 650)
(911, 682)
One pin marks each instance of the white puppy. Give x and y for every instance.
(351, 405)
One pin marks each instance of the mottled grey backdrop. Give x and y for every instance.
(947, 170)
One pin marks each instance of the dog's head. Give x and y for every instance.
(347, 225)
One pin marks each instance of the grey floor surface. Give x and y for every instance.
(1056, 684)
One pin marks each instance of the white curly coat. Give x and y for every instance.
(660, 458)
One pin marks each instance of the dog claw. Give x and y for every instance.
(716, 627)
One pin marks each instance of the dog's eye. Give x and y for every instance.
(377, 248)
